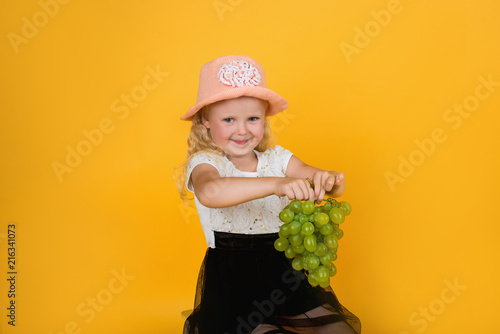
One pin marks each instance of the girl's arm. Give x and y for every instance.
(214, 191)
(331, 183)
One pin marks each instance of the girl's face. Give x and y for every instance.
(236, 125)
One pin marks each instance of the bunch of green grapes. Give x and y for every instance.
(310, 236)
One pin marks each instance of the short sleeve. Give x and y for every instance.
(282, 156)
(202, 158)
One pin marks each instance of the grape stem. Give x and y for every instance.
(331, 200)
(310, 182)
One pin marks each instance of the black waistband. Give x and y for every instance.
(240, 241)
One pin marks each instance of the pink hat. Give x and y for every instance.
(229, 77)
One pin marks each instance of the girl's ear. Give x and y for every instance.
(204, 118)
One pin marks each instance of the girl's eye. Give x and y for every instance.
(228, 120)
(253, 119)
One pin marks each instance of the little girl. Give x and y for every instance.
(240, 185)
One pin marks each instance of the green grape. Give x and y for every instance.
(346, 207)
(326, 229)
(304, 219)
(326, 259)
(295, 206)
(331, 241)
(321, 218)
(299, 249)
(339, 233)
(295, 239)
(316, 225)
(309, 237)
(308, 207)
(308, 228)
(312, 273)
(321, 249)
(312, 280)
(322, 274)
(281, 244)
(295, 227)
(312, 261)
(289, 253)
(286, 215)
(297, 263)
(325, 284)
(310, 243)
(333, 270)
(337, 215)
(304, 263)
(285, 229)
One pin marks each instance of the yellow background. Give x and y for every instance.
(360, 113)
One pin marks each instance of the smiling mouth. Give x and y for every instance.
(240, 142)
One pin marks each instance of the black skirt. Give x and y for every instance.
(246, 286)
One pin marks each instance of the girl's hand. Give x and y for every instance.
(328, 182)
(295, 188)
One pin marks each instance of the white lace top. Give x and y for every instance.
(253, 217)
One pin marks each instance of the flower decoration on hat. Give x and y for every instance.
(238, 74)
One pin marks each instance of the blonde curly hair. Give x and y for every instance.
(200, 140)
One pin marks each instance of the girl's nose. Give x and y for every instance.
(242, 128)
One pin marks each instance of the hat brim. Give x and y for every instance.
(276, 102)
